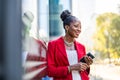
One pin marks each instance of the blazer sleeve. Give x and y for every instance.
(53, 69)
(87, 70)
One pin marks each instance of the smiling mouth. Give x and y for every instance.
(78, 33)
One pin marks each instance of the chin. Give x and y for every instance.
(76, 36)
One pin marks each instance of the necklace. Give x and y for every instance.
(67, 43)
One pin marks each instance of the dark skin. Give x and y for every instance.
(72, 31)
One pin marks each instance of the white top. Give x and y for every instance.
(73, 59)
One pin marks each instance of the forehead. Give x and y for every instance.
(76, 22)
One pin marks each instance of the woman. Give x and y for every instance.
(64, 53)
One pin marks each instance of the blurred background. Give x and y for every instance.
(26, 26)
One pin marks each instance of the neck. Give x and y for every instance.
(68, 39)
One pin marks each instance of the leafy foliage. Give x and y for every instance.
(107, 36)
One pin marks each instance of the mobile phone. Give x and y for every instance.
(88, 54)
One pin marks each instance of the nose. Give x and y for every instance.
(79, 29)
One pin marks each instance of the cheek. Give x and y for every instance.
(71, 32)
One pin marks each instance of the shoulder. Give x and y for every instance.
(55, 41)
(79, 44)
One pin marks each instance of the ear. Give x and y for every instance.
(66, 27)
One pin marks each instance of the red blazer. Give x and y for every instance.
(57, 60)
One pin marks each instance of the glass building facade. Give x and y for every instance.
(46, 24)
(49, 17)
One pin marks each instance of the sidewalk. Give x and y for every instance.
(105, 72)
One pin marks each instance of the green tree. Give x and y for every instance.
(107, 36)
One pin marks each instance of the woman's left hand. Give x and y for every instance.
(88, 60)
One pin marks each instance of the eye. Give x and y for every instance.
(76, 26)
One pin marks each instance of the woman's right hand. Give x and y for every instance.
(79, 67)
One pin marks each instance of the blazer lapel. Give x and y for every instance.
(61, 48)
(79, 50)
